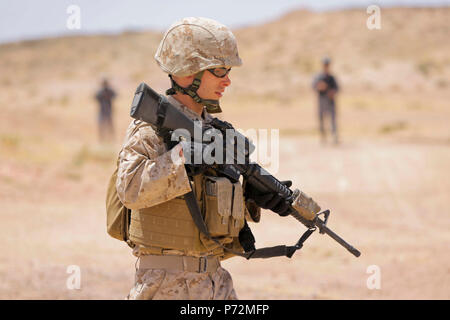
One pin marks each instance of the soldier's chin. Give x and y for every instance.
(218, 94)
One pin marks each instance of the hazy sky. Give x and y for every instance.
(29, 19)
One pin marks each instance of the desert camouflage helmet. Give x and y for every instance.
(193, 44)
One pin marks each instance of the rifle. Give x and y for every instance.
(153, 108)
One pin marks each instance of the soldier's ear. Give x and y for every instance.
(183, 81)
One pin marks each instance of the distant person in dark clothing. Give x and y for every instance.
(326, 86)
(104, 97)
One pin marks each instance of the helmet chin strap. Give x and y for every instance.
(212, 106)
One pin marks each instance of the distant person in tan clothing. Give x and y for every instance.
(105, 112)
(326, 87)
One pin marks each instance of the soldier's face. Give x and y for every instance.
(213, 87)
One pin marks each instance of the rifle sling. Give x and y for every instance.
(267, 252)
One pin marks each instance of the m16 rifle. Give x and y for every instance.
(153, 108)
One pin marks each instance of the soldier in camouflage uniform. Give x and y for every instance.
(175, 260)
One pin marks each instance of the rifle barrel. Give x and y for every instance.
(324, 229)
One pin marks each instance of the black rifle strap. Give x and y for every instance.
(268, 252)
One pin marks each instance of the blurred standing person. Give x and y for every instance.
(104, 97)
(326, 86)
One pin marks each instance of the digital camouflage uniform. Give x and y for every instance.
(160, 284)
(147, 176)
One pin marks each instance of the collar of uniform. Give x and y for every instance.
(191, 114)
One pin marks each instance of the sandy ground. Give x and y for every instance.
(387, 199)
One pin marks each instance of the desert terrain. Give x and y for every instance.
(387, 183)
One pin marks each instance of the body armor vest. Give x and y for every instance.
(169, 225)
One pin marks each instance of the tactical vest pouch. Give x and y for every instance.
(218, 209)
(117, 215)
(238, 211)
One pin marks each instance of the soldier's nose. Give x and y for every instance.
(226, 81)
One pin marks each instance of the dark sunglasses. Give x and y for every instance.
(219, 72)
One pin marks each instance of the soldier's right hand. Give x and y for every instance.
(191, 152)
(195, 169)
(194, 161)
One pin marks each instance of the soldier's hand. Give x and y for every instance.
(195, 160)
(272, 201)
(195, 169)
(192, 153)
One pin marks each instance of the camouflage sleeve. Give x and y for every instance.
(148, 174)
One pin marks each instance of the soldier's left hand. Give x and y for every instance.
(272, 201)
